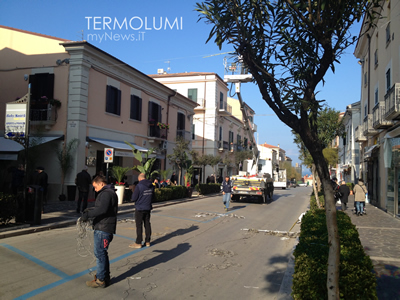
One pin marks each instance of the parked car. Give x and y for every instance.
(293, 184)
(303, 184)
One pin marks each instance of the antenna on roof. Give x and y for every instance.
(169, 65)
(81, 34)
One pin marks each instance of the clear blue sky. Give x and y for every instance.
(183, 45)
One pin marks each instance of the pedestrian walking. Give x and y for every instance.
(345, 191)
(104, 215)
(143, 198)
(226, 192)
(83, 181)
(360, 190)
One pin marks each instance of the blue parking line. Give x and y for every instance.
(72, 277)
(36, 261)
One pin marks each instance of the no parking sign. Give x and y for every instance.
(108, 155)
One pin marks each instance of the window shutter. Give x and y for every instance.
(108, 99)
(150, 110)
(139, 113)
(159, 113)
(118, 112)
(133, 108)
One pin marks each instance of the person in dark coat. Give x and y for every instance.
(41, 180)
(174, 179)
(104, 215)
(143, 198)
(345, 191)
(83, 181)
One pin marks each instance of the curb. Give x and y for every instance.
(39, 228)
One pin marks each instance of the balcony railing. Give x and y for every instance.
(254, 127)
(359, 134)
(222, 145)
(225, 108)
(201, 102)
(187, 135)
(378, 113)
(368, 128)
(46, 116)
(392, 103)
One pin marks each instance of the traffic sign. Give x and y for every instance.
(108, 155)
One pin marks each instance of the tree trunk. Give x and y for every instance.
(314, 187)
(331, 223)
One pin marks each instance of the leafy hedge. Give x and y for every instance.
(350, 185)
(209, 188)
(8, 208)
(170, 193)
(313, 202)
(356, 280)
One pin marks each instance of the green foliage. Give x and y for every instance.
(313, 202)
(165, 174)
(170, 193)
(210, 188)
(350, 185)
(356, 280)
(8, 208)
(146, 163)
(119, 172)
(65, 158)
(331, 156)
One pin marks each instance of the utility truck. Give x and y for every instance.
(280, 179)
(256, 178)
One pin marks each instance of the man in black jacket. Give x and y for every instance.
(143, 197)
(345, 191)
(83, 181)
(104, 216)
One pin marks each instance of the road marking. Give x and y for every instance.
(36, 261)
(72, 277)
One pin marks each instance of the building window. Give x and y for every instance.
(388, 33)
(221, 100)
(180, 129)
(376, 96)
(113, 100)
(239, 139)
(388, 80)
(365, 78)
(136, 108)
(376, 57)
(365, 110)
(154, 115)
(220, 133)
(192, 94)
(42, 85)
(193, 132)
(230, 137)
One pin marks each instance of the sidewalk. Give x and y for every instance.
(380, 236)
(63, 214)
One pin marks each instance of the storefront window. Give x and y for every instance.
(393, 189)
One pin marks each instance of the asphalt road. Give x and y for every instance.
(198, 251)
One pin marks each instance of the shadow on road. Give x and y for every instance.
(175, 233)
(275, 276)
(165, 256)
(388, 281)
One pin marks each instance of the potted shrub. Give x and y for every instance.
(119, 173)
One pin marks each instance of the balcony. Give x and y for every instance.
(359, 135)
(392, 103)
(186, 135)
(222, 146)
(201, 102)
(232, 147)
(254, 127)
(225, 108)
(45, 116)
(378, 117)
(369, 130)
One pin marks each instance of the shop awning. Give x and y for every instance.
(368, 153)
(117, 144)
(9, 149)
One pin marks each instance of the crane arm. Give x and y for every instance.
(248, 128)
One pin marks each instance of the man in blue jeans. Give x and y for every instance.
(226, 192)
(143, 197)
(104, 216)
